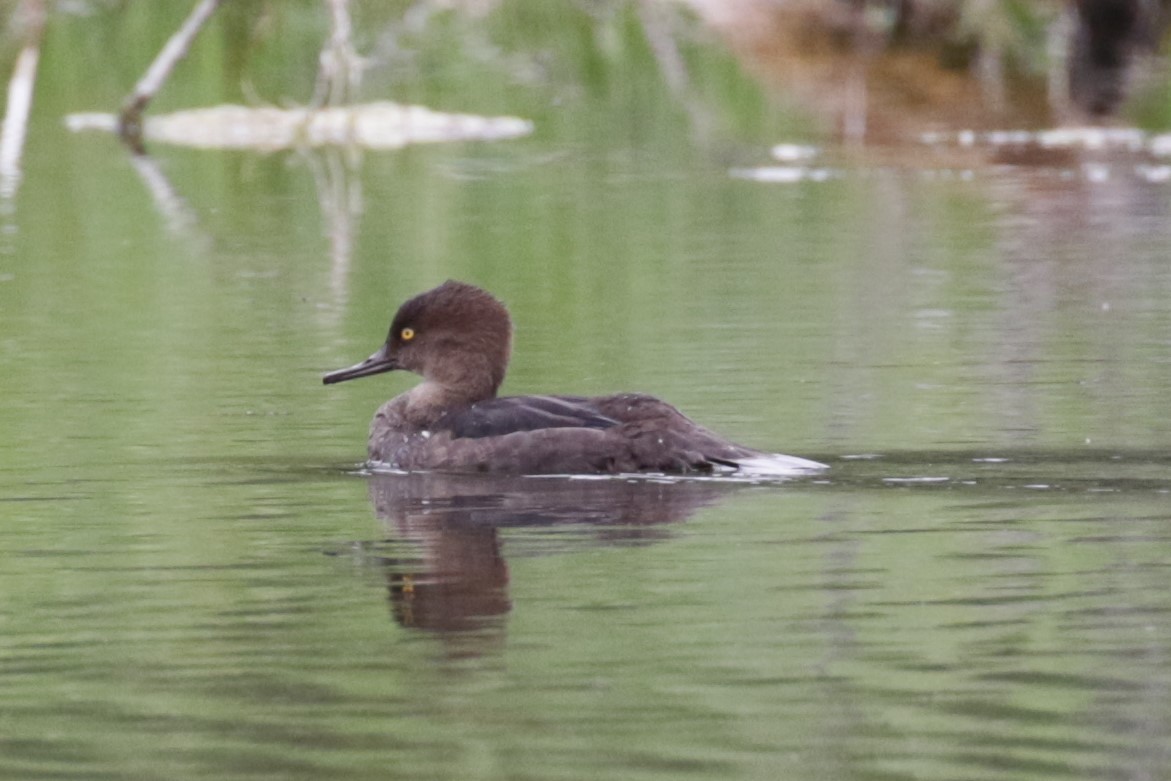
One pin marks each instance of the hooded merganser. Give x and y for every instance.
(459, 338)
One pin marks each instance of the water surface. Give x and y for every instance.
(200, 582)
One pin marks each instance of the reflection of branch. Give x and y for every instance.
(179, 216)
(130, 120)
(339, 194)
(20, 98)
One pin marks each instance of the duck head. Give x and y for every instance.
(456, 335)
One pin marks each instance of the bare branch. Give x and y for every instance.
(20, 97)
(130, 120)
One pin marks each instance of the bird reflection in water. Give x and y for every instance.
(445, 569)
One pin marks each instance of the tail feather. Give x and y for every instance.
(776, 465)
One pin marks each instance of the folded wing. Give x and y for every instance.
(510, 414)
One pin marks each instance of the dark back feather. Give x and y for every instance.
(509, 414)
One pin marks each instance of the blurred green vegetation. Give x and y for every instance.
(249, 55)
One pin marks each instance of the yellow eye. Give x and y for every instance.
(407, 334)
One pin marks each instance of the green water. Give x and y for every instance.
(197, 582)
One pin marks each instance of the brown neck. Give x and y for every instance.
(470, 378)
(430, 400)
